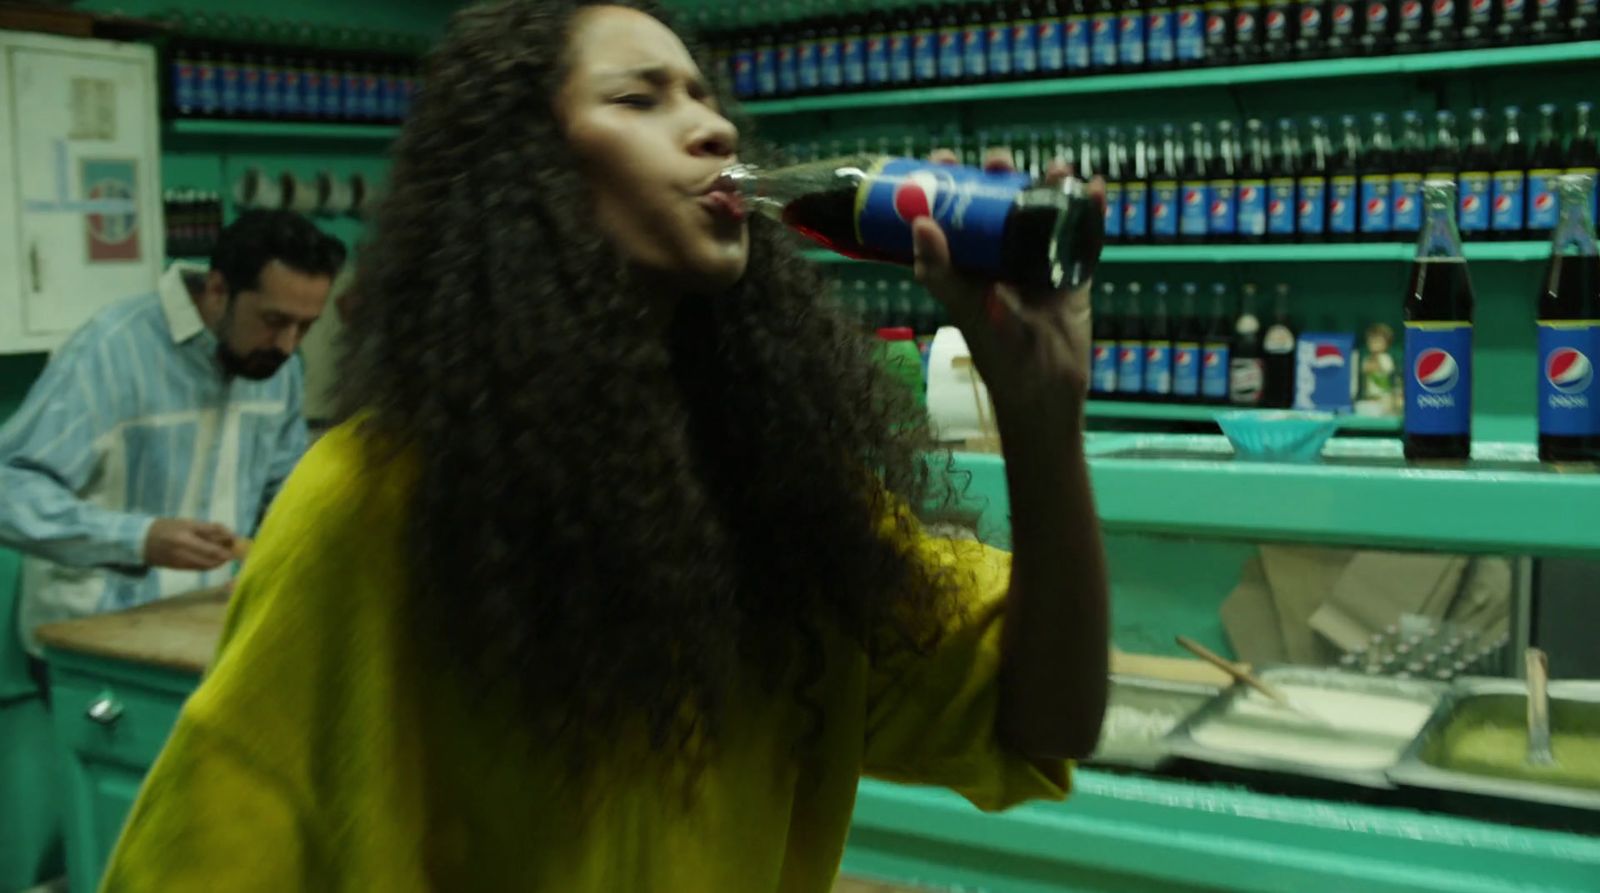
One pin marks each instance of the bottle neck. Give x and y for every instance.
(1439, 237)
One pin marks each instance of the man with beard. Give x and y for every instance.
(160, 431)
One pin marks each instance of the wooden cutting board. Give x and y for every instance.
(179, 633)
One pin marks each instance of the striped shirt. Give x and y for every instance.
(133, 420)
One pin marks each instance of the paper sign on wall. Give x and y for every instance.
(112, 237)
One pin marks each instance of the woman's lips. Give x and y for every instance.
(724, 203)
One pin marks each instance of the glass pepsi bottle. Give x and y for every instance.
(1311, 186)
(1509, 191)
(1377, 183)
(1158, 350)
(1544, 167)
(1103, 351)
(1405, 219)
(1311, 29)
(1252, 189)
(1569, 332)
(1246, 366)
(1130, 348)
(1437, 376)
(1216, 349)
(1186, 350)
(1281, 206)
(1195, 200)
(1165, 197)
(1476, 178)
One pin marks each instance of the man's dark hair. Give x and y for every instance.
(258, 238)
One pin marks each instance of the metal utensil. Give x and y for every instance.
(1539, 753)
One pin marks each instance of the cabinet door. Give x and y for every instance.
(87, 180)
(99, 797)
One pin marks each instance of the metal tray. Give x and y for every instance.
(1181, 741)
(1419, 766)
(1140, 693)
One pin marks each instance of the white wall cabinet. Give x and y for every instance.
(80, 198)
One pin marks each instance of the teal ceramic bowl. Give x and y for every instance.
(1277, 436)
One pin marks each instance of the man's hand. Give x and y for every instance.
(188, 545)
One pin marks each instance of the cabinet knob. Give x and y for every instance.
(105, 710)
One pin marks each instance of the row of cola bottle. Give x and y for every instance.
(1223, 359)
(830, 46)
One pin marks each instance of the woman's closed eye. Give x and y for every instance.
(636, 100)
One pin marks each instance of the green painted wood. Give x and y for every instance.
(1347, 252)
(31, 804)
(1179, 412)
(1505, 506)
(257, 131)
(1190, 78)
(1138, 833)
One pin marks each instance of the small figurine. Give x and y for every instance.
(1380, 384)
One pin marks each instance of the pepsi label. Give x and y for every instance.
(1511, 9)
(1509, 201)
(1569, 404)
(1135, 210)
(205, 79)
(788, 74)
(1079, 53)
(1253, 208)
(1543, 208)
(925, 56)
(1280, 206)
(1277, 26)
(271, 91)
(1216, 39)
(1186, 368)
(1410, 16)
(1164, 209)
(766, 71)
(1473, 216)
(1158, 368)
(1407, 195)
(744, 73)
(1342, 200)
(1244, 27)
(901, 67)
(829, 63)
(970, 205)
(1161, 33)
(951, 59)
(229, 75)
(1377, 203)
(1311, 209)
(1130, 367)
(1103, 368)
(1131, 49)
(1052, 45)
(1480, 12)
(290, 88)
(853, 60)
(1113, 210)
(1377, 16)
(1342, 19)
(183, 86)
(877, 54)
(1196, 209)
(975, 51)
(807, 65)
(352, 95)
(250, 90)
(1103, 42)
(1189, 33)
(1025, 48)
(1444, 15)
(1438, 378)
(1323, 372)
(1000, 50)
(311, 102)
(1223, 216)
(1310, 19)
(1214, 366)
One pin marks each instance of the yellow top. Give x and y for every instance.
(319, 754)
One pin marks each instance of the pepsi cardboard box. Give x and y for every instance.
(1325, 372)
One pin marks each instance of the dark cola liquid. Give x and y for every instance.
(1032, 254)
(1439, 291)
(1573, 297)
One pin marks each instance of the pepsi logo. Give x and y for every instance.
(1411, 10)
(1161, 211)
(1191, 197)
(1548, 4)
(1442, 7)
(1568, 370)
(1304, 207)
(1374, 206)
(1327, 356)
(1101, 25)
(1377, 12)
(1512, 6)
(1154, 354)
(1215, 25)
(1276, 207)
(1248, 193)
(1404, 204)
(925, 193)
(1244, 21)
(1544, 201)
(1101, 354)
(1219, 209)
(1213, 359)
(1343, 14)
(947, 40)
(1275, 20)
(1470, 204)
(1128, 354)
(1074, 28)
(741, 65)
(1021, 32)
(1336, 207)
(1310, 17)
(1502, 204)
(1187, 19)
(1436, 371)
(1183, 358)
(1480, 6)
(1130, 211)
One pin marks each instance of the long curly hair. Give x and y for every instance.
(612, 524)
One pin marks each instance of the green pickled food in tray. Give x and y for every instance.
(1489, 736)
